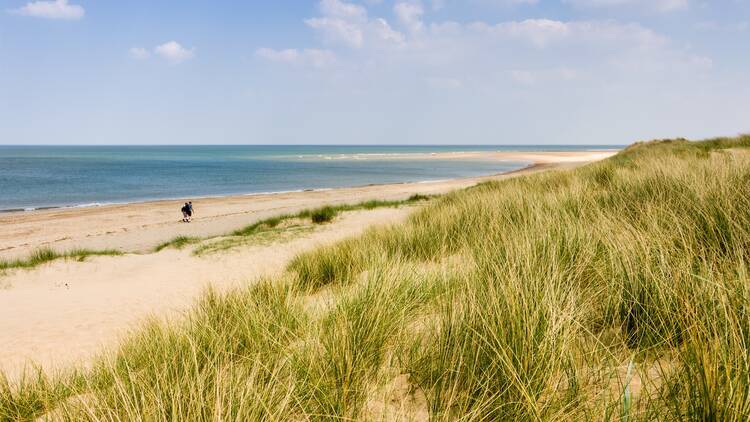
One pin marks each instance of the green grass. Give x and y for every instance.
(178, 242)
(45, 255)
(322, 215)
(261, 237)
(615, 291)
(329, 212)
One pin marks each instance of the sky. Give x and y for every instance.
(372, 71)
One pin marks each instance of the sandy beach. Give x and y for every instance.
(65, 311)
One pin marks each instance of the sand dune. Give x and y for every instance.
(65, 311)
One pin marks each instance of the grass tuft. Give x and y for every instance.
(45, 255)
(323, 215)
(178, 242)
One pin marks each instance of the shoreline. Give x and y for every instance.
(139, 227)
(452, 155)
(240, 194)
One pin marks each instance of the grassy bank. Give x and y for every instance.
(44, 255)
(615, 291)
(320, 215)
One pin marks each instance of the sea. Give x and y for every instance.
(41, 177)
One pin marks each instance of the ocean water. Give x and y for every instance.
(33, 177)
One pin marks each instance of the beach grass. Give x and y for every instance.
(263, 237)
(320, 215)
(328, 212)
(178, 242)
(45, 255)
(615, 291)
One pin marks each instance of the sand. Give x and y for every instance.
(65, 311)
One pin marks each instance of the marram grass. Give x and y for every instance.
(615, 291)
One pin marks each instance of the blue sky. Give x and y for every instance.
(372, 71)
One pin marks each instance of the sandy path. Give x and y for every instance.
(65, 311)
(140, 227)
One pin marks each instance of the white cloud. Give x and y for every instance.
(338, 31)
(410, 15)
(58, 9)
(656, 5)
(348, 25)
(539, 32)
(384, 31)
(341, 22)
(174, 52)
(310, 57)
(139, 53)
(343, 10)
(489, 54)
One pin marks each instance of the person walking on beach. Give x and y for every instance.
(190, 210)
(184, 210)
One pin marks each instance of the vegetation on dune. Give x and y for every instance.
(264, 236)
(615, 291)
(322, 215)
(178, 242)
(45, 255)
(316, 216)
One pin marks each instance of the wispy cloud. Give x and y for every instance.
(349, 25)
(529, 52)
(171, 51)
(58, 9)
(409, 15)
